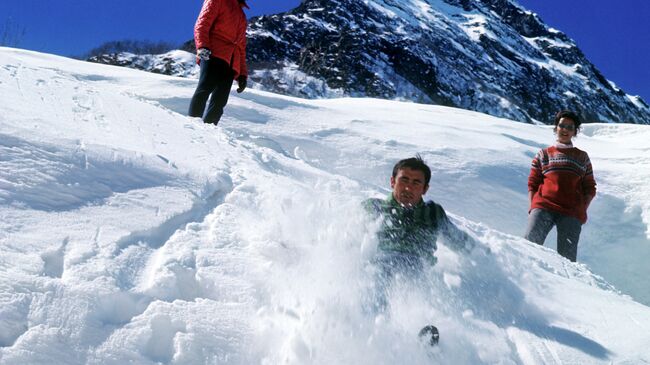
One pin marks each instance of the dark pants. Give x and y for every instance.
(215, 82)
(540, 222)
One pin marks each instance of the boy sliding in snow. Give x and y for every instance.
(409, 230)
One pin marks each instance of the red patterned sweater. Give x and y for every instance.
(562, 179)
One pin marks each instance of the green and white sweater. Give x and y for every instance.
(415, 230)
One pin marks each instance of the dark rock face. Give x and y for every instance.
(490, 56)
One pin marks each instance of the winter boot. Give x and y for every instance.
(430, 334)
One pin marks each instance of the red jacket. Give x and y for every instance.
(221, 28)
(561, 179)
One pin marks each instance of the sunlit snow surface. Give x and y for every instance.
(130, 233)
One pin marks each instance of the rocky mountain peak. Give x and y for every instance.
(491, 56)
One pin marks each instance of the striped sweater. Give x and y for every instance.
(561, 179)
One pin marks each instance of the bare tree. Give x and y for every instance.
(11, 34)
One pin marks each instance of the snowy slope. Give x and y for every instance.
(131, 233)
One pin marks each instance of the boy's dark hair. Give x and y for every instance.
(569, 115)
(414, 163)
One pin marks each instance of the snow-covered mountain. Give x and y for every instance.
(130, 233)
(491, 56)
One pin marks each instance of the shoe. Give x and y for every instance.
(431, 333)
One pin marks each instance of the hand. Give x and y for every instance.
(242, 80)
(203, 54)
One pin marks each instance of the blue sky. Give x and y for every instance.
(615, 35)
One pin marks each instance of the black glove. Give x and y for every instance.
(242, 80)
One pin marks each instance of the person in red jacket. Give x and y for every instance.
(561, 186)
(220, 37)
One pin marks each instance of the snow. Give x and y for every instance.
(475, 26)
(130, 233)
(264, 33)
(568, 70)
(384, 9)
(289, 79)
(178, 62)
(534, 41)
(636, 100)
(307, 18)
(569, 94)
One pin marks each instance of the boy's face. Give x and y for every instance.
(565, 130)
(408, 186)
